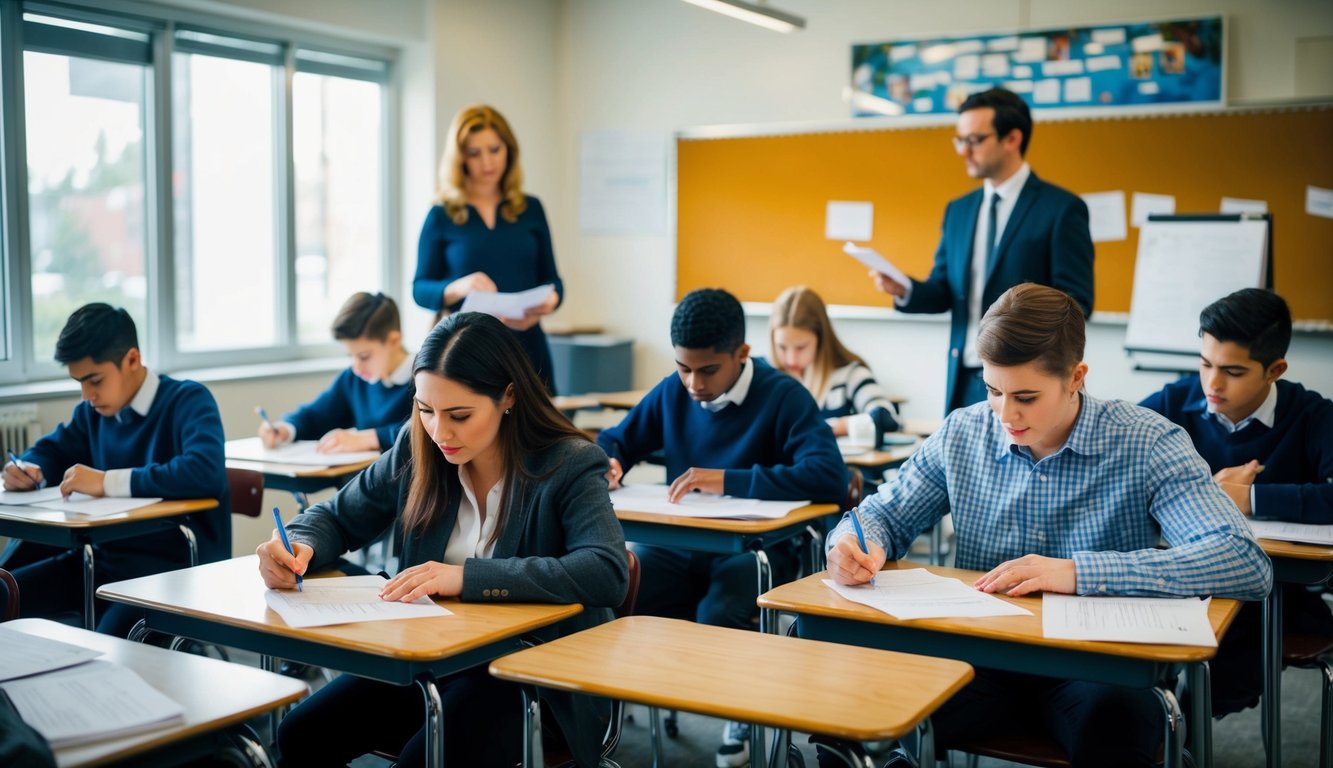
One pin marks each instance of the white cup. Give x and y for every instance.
(861, 430)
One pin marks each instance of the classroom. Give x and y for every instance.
(646, 78)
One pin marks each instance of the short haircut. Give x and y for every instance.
(1010, 112)
(366, 316)
(99, 331)
(1254, 318)
(708, 318)
(1033, 323)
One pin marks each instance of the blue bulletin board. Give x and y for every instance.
(1109, 65)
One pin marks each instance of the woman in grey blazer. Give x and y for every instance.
(496, 498)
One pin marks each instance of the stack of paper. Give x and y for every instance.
(22, 655)
(1173, 621)
(26, 503)
(344, 601)
(652, 499)
(93, 701)
(507, 305)
(300, 452)
(1302, 532)
(917, 593)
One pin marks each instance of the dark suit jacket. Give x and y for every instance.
(1046, 241)
(561, 543)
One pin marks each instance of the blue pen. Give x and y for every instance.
(259, 409)
(19, 465)
(860, 536)
(282, 531)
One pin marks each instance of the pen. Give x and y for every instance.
(860, 536)
(19, 465)
(286, 542)
(259, 409)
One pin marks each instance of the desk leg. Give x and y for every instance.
(816, 548)
(532, 730)
(1271, 705)
(435, 724)
(191, 542)
(925, 756)
(270, 664)
(758, 747)
(89, 614)
(655, 732)
(1171, 745)
(765, 573)
(1200, 729)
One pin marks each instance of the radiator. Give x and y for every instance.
(18, 428)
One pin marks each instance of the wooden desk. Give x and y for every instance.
(724, 536)
(62, 529)
(301, 479)
(216, 695)
(621, 401)
(921, 427)
(1014, 643)
(803, 685)
(872, 463)
(1293, 563)
(223, 603)
(570, 403)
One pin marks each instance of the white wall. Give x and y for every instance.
(661, 66)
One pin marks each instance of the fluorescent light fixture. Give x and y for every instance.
(755, 13)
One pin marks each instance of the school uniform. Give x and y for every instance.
(560, 543)
(1291, 435)
(166, 442)
(852, 389)
(351, 402)
(766, 433)
(1124, 480)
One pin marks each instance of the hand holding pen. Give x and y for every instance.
(280, 558)
(22, 476)
(860, 536)
(269, 433)
(853, 559)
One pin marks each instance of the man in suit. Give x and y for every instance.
(1016, 228)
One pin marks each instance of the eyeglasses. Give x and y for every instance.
(973, 141)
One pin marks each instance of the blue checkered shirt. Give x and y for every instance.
(1125, 480)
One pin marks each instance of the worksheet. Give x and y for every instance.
(22, 654)
(1307, 533)
(345, 600)
(94, 701)
(300, 452)
(652, 499)
(1170, 620)
(916, 593)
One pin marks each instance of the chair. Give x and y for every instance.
(11, 588)
(1315, 652)
(247, 491)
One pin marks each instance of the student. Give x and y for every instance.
(366, 405)
(805, 346)
(498, 499)
(1269, 443)
(134, 434)
(727, 424)
(1053, 490)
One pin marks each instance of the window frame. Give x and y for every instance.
(324, 54)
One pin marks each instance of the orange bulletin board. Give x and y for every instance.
(750, 210)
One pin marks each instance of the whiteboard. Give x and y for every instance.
(1185, 265)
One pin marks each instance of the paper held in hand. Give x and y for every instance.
(507, 305)
(872, 258)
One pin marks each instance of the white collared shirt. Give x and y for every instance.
(737, 392)
(472, 536)
(1265, 414)
(1008, 190)
(403, 373)
(116, 482)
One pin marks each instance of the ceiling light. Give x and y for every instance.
(755, 13)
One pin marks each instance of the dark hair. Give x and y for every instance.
(1031, 322)
(366, 316)
(1010, 112)
(1254, 318)
(708, 318)
(477, 351)
(100, 331)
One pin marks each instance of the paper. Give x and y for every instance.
(1173, 621)
(871, 258)
(300, 452)
(1241, 205)
(1109, 36)
(96, 506)
(21, 498)
(1103, 63)
(1149, 88)
(1046, 92)
(1283, 531)
(22, 654)
(1018, 86)
(95, 701)
(344, 601)
(967, 67)
(917, 593)
(849, 221)
(1064, 67)
(651, 499)
(1106, 216)
(995, 65)
(1145, 204)
(622, 182)
(1002, 43)
(1147, 43)
(506, 305)
(1319, 201)
(1031, 49)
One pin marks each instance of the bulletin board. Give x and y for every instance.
(751, 210)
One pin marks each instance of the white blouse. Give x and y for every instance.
(472, 536)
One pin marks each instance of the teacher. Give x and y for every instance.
(1015, 229)
(483, 234)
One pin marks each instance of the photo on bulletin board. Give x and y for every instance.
(1110, 65)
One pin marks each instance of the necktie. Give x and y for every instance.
(990, 231)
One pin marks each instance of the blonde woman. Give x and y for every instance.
(805, 346)
(484, 234)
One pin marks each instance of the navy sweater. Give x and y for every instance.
(774, 446)
(1297, 452)
(174, 452)
(351, 402)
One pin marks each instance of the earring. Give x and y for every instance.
(506, 411)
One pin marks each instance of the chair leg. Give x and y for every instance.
(1326, 716)
(655, 730)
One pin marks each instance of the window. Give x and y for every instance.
(223, 180)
